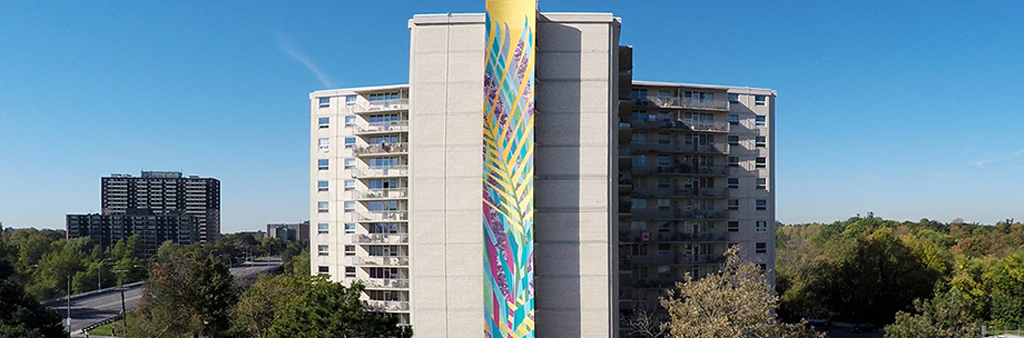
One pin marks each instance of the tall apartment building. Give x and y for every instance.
(152, 229)
(636, 182)
(295, 232)
(166, 192)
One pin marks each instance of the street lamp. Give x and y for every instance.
(99, 274)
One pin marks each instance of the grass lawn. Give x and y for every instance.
(105, 330)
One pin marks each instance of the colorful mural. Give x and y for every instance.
(508, 169)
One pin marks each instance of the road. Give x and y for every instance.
(86, 310)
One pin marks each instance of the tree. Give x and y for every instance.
(328, 310)
(187, 294)
(735, 302)
(947, 315)
(22, 315)
(644, 324)
(267, 300)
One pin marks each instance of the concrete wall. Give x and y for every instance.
(576, 83)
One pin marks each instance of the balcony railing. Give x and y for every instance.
(380, 261)
(385, 283)
(388, 215)
(677, 258)
(687, 103)
(386, 305)
(670, 214)
(382, 149)
(382, 127)
(668, 237)
(382, 105)
(381, 238)
(681, 169)
(387, 171)
(680, 147)
(383, 194)
(670, 192)
(683, 125)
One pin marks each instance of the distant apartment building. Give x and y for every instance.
(152, 229)
(295, 232)
(166, 192)
(637, 183)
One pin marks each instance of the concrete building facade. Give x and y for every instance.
(166, 192)
(152, 229)
(295, 232)
(395, 180)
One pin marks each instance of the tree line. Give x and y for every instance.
(924, 279)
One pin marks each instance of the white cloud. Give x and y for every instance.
(288, 47)
(1010, 156)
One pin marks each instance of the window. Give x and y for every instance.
(664, 204)
(762, 204)
(350, 228)
(325, 102)
(323, 122)
(350, 100)
(734, 204)
(350, 163)
(734, 118)
(321, 185)
(734, 226)
(350, 272)
(664, 227)
(639, 204)
(350, 121)
(323, 270)
(323, 143)
(734, 161)
(761, 247)
(323, 164)
(734, 140)
(350, 142)
(322, 228)
(664, 250)
(734, 183)
(321, 206)
(639, 160)
(639, 138)
(664, 138)
(350, 184)
(760, 162)
(322, 250)
(734, 98)
(760, 100)
(762, 226)
(664, 182)
(664, 161)
(760, 141)
(350, 206)
(762, 183)
(350, 250)
(759, 121)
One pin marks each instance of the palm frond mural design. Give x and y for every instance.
(508, 169)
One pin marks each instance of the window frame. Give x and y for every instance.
(323, 164)
(323, 206)
(323, 228)
(324, 102)
(760, 100)
(323, 122)
(761, 226)
(323, 250)
(761, 204)
(733, 226)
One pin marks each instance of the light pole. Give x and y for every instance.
(67, 275)
(124, 311)
(99, 274)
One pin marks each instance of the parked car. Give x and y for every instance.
(818, 322)
(864, 328)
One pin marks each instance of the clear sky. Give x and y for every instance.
(904, 108)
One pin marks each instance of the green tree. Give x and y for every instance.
(736, 302)
(265, 302)
(297, 265)
(947, 315)
(22, 315)
(188, 294)
(327, 310)
(1005, 282)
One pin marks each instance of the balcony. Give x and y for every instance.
(680, 147)
(382, 149)
(681, 169)
(671, 237)
(677, 258)
(382, 127)
(383, 215)
(385, 283)
(380, 261)
(382, 105)
(687, 103)
(683, 125)
(670, 215)
(669, 192)
(388, 171)
(386, 305)
(380, 238)
(383, 194)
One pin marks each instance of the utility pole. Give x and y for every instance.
(69, 305)
(124, 311)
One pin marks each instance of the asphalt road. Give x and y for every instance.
(100, 306)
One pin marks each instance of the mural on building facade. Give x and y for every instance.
(508, 169)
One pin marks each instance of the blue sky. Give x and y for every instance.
(907, 109)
